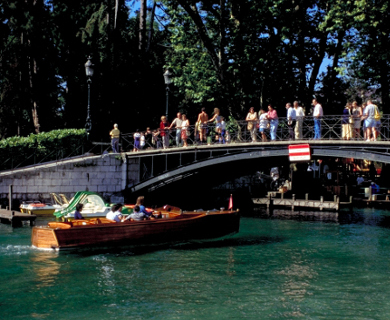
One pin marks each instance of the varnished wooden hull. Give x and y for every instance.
(181, 227)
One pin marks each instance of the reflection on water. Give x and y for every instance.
(46, 268)
(366, 216)
(274, 268)
(230, 269)
(297, 279)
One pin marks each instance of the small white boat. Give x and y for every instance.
(94, 206)
(37, 208)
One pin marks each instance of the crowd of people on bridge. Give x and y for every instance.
(354, 118)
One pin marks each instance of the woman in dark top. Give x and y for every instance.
(148, 138)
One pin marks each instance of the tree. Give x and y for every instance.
(256, 50)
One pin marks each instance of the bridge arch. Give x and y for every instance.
(373, 151)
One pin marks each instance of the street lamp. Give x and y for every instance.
(168, 80)
(89, 73)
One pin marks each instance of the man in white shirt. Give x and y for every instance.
(317, 115)
(177, 123)
(300, 114)
(369, 120)
(291, 119)
(115, 214)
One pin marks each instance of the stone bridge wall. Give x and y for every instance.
(107, 175)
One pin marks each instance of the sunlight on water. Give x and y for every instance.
(272, 269)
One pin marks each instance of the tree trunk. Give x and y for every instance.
(150, 34)
(384, 81)
(317, 63)
(336, 57)
(299, 11)
(142, 25)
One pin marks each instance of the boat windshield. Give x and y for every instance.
(93, 201)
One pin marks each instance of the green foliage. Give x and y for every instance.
(45, 146)
(227, 54)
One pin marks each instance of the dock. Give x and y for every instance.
(302, 215)
(16, 218)
(272, 201)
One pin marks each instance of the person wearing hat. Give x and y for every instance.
(115, 133)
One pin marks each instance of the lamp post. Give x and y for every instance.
(89, 73)
(168, 80)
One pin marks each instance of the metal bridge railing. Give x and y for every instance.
(331, 129)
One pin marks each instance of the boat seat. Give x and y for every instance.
(60, 225)
(104, 220)
(81, 222)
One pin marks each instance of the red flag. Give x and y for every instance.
(230, 203)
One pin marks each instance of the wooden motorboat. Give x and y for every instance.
(175, 225)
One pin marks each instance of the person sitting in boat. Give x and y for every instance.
(115, 214)
(140, 203)
(77, 214)
(137, 215)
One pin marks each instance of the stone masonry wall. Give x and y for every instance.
(103, 174)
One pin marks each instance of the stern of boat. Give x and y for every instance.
(44, 237)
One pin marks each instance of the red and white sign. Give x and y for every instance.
(299, 152)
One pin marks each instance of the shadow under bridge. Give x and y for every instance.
(158, 168)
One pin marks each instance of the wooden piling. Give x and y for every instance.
(293, 201)
(10, 197)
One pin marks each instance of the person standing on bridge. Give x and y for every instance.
(357, 121)
(202, 121)
(317, 115)
(369, 121)
(263, 125)
(272, 116)
(177, 123)
(252, 121)
(164, 131)
(291, 119)
(346, 125)
(300, 114)
(185, 129)
(115, 134)
(217, 119)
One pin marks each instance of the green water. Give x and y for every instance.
(272, 269)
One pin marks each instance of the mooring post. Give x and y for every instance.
(321, 202)
(269, 200)
(306, 197)
(335, 198)
(350, 203)
(293, 202)
(10, 197)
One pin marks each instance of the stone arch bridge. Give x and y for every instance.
(110, 174)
